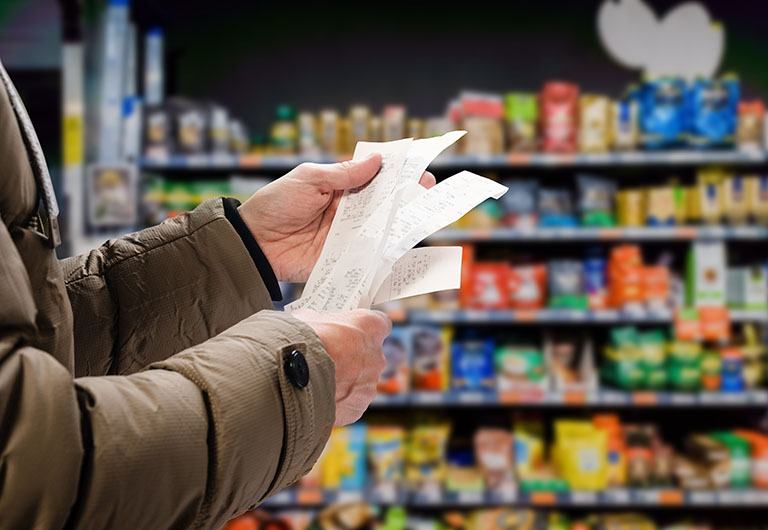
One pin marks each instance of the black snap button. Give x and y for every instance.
(297, 369)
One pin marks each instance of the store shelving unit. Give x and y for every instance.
(600, 399)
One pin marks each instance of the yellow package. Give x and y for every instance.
(529, 446)
(630, 208)
(580, 455)
(594, 123)
(360, 120)
(706, 198)
(329, 131)
(426, 456)
(757, 197)
(735, 204)
(660, 206)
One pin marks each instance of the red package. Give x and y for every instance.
(559, 117)
(527, 286)
(489, 286)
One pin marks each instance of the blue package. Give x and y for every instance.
(556, 208)
(713, 107)
(356, 479)
(662, 113)
(472, 364)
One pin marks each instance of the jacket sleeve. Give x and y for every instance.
(190, 442)
(148, 295)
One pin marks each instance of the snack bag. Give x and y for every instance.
(713, 107)
(344, 466)
(430, 347)
(521, 111)
(662, 113)
(426, 457)
(735, 202)
(660, 206)
(566, 285)
(594, 123)
(596, 200)
(494, 456)
(529, 446)
(394, 379)
(386, 457)
(519, 204)
(519, 369)
(556, 208)
(489, 286)
(749, 133)
(595, 282)
(757, 198)
(630, 205)
(624, 134)
(527, 286)
(559, 117)
(472, 364)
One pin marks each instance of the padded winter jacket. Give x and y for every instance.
(142, 385)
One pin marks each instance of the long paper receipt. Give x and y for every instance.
(369, 257)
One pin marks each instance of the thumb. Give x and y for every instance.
(350, 173)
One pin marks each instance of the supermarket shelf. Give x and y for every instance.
(639, 158)
(645, 233)
(612, 497)
(612, 398)
(560, 316)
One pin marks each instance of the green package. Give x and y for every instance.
(739, 449)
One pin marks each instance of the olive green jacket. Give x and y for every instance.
(142, 384)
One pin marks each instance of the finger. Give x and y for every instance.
(427, 180)
(383, 320)
(348, 174)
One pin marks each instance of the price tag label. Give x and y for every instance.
(584, 497)
(647, 496)
(705, 498)
(470, 497)
(613, 398)
(281, 497)
(668, 497)
(730, 497)
(471, 397)
(429, 398)
(681, 398)
(543, 498)
(617, 496)
(346, 497)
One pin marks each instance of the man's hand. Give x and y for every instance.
(353, 340)
(290, 217)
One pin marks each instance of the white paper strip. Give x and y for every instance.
(421, 271)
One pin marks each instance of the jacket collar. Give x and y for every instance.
(37, 161)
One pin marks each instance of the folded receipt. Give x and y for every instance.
(369, 257)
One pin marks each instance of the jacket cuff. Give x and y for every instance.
(258, 257)
(264, 432)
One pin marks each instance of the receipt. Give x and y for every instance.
(355, 207)
(436, 208)
(364, 257)
(420, 271)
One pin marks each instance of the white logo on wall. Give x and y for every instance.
(685, 42)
